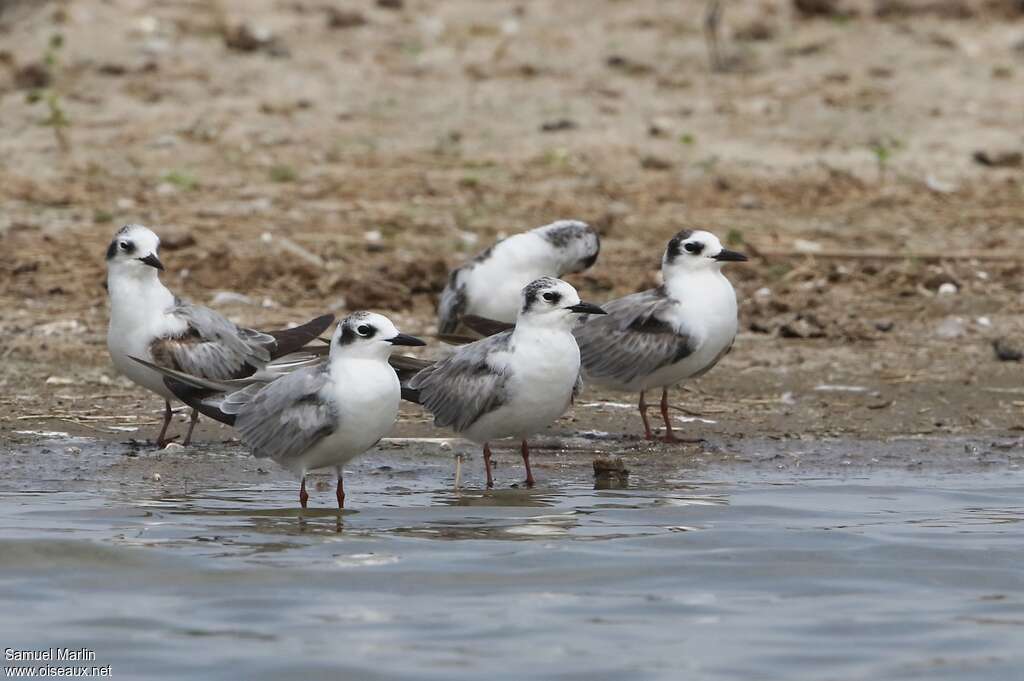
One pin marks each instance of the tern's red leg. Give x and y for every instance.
(526, 462)
(487, 465)
(303, 495)
(161, 441)
(669, 437)
(191, 426)
(643, 406)
(341, 490)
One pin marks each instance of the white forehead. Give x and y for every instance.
(141, 236)
(706, 238)
(566, 289)
(380, 321)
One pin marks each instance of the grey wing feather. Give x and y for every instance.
(212, 346)
(452, 305)
(633, 340)
(463, 387)
(285, 418)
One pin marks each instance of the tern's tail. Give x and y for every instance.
(406, 367)
(203, 394)
(478, 327)
(292, 340)
(484, 326)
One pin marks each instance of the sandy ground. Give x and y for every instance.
(318, 159)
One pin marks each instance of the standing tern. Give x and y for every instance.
(512, 384)
(662, 336)
(316, 416)
(149, 322)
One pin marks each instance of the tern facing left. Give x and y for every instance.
(149, 322)
(317, 416)
(512, 384)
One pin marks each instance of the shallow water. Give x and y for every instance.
(718, 572)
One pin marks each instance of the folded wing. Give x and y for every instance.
(634, 339)
(460, 389)
(213, 347)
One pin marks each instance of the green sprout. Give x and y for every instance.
(883, 149)
(182, 179)
(56, 117)
(283, 173)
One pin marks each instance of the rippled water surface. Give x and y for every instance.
(722, 573)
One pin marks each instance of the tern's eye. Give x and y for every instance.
(364, 330)
(694, 247)
(124, 245)
(551, 296)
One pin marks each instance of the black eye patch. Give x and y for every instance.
(119, 245)
(552, 297)
(674, 249)
(694, 247)
(366, 330)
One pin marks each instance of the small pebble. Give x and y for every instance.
(559, 124)
(610, 466)
(1006, 352)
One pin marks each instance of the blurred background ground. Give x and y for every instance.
(298, 156)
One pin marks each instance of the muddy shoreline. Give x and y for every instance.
(886, 258)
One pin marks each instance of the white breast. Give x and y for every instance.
(367, 395)
(137, 317)
(707, 313)
(543, 366)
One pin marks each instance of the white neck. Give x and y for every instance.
(530, 324)
(137, 294)
(682, 283)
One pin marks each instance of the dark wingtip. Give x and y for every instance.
(407, 363)
(193, 397)
(456, 338)
(318, 325)
(291, 340)
(485, 326)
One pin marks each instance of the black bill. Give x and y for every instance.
(586, 308)
(405, 339)
(725, 255)
(153, 261)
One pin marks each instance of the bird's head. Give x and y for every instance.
(368, 334)
(694, 250)
(133, 251)
(553, 302)
(575, 243)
